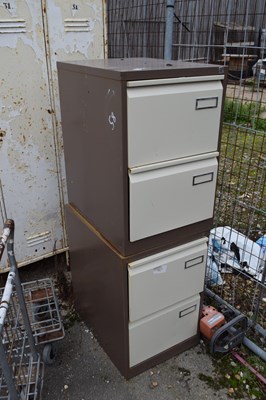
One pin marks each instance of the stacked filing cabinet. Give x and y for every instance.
(141, 141)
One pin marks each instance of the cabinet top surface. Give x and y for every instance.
(140, 68)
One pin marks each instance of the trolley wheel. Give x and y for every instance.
(49, 353)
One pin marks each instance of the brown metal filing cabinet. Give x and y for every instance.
(141, 140)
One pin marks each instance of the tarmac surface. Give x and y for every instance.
(82, 370)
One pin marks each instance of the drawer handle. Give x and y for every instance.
(194, 261)
(203, 178)
(206, 102)
(187, 311)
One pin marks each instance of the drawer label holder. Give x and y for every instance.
(187, 311)
(206, 103)
(203, 178)
(194, 261)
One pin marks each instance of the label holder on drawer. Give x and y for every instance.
(203, 178)
(194, 261)
(187, 311)
(205, 103)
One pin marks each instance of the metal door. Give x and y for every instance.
(31, 152)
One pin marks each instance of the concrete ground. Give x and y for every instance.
(82, 370)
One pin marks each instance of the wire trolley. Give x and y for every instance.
(21, 370)
(44, 314)
(42, 308)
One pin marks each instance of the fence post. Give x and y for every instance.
(168, 40)
(260, 294)
(258, 22)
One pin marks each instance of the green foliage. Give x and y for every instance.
(239, 381)
(244, 114)
(241, 172)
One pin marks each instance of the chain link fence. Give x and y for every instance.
(232, 33)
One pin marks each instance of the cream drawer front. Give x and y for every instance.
(161, 280)
(167, 198)
(172, 121)
(159, 332)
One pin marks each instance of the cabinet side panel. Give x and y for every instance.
(99, 280)
(91, 109)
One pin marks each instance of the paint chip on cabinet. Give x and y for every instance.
(160, 270)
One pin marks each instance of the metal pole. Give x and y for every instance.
(145, 29)
(219, 300)
(260, 295)
(247, 342)
(2, 203)
(6, 368)
(21, 299)
(25, 316)
(255, 348)
(168, 40)
(258, 21)
(7, 371)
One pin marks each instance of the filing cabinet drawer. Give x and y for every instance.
(161, 331)
(163, 279)
(172, 121)
(168, 198)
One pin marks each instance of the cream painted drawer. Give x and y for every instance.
(167, 198)
(172, 121)
(161, 280)
(160, 331)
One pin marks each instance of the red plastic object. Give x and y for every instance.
(211, 321)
